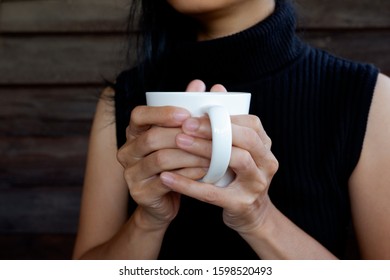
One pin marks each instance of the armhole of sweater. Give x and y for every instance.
(128, 95)
(122, 117)
(365, 83)
(120, 101)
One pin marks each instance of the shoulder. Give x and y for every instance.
(383, 85)
(378, 125)
(370, 181)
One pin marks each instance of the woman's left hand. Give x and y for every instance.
(245, 200)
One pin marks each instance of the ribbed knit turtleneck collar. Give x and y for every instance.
(243, 57)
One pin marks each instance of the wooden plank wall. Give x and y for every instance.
(54, 57)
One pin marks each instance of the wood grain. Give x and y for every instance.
(63, 16)
(39, 210)
(368, 46)
(55, 56)
(60, 59)
(111, 16)
(47, 111)
(67, 60)
(343, 14)
(33, 162)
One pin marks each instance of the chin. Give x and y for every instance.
(197, 7)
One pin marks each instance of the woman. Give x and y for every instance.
(328, 119)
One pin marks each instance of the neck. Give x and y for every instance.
(252, 54)
(234, 19)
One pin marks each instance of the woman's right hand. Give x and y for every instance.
(151, 149)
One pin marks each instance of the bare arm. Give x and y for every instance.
(104, 232)
(369, 188)
(256, 219)
(370, 181)
(272, 235)
(246, 204)
(111, 175)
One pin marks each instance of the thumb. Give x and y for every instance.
(218, 88)
(196, 85)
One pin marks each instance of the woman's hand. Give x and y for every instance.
(245, 200)
(151, 149)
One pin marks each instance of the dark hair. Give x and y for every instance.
(159, 28)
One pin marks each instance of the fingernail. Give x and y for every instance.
(167, 178)
(180, 116)
(185, 140)
(191, 125)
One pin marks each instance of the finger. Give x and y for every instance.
(143, 117)
(248, 136)
(237, 201)
(197, 146)
(196, 85)
(218, 88)
(249, 140)
(200, 191)
(165, 160)
(253, 122)
(243, 164)
(142, 191)
(201, 127)
(197, 136)
(248, 151)
(156, 138)
(197, 127)
(257, 145)
(138, 146)
(196, 173)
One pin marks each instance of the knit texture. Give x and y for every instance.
(312, 104)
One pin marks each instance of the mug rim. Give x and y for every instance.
(215, 93)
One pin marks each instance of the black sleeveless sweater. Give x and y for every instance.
(313, 105)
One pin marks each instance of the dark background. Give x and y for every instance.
(53, 58)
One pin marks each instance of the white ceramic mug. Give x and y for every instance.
(219, 106)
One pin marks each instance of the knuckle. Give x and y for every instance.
(161, 159)
(121, 156)
(251, 139)
(257, 126)
(268, 142)
(211, 197)
(246, 161)
(271, 164)
(245, 205)
(128, 175)
(129, 134)
(137, 194)
(150, 139)
(136, 189)
(242, 202)
(263, 181)
(255, 123)
(124, 155)
(137, 113)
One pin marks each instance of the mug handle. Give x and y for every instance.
(221, 145)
